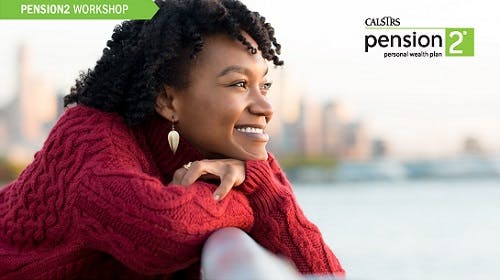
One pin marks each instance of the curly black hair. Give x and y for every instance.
(144, 55)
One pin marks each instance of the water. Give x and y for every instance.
(410, 229)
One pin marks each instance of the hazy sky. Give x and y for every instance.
(421, 106)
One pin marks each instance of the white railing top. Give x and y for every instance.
(230, 253)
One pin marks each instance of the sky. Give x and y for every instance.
(420, 106)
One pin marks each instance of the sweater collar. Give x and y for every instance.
(152, 136)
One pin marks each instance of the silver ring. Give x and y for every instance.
(187, 165)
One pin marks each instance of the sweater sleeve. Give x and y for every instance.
(150, 227)
(280, 225)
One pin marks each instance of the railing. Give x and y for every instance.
(230, 253)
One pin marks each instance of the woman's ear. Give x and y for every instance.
(166, 103)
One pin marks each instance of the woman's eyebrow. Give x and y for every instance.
(237, 69)
(233, 68)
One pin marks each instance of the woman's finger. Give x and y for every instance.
(178, 175)
(226, 184)
(230, 172)
(195, 171)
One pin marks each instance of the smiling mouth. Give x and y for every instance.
(249, 129)
(254, 132)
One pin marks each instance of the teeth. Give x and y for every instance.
(250, 129)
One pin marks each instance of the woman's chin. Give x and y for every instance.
(245, 155)
(260, 155)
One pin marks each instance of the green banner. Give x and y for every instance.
(77, 9)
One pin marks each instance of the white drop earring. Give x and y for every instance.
(173, 137)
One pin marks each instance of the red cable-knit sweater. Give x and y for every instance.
(95, 204)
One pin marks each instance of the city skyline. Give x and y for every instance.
(301, 128)
(420, 107)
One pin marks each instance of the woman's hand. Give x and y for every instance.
(231, 173)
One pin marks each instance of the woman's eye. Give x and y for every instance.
(267, 86)
(241, 84)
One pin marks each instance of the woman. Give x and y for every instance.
(113, 195)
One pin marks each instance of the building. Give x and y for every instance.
(27, 119)
(380, 148)
(311, 124)
(357, 143)
(336, 116)
(285, 98)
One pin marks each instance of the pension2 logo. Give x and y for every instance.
(386, 35)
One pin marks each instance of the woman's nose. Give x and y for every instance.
(260, 105)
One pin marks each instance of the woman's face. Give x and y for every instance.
(224, 111)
